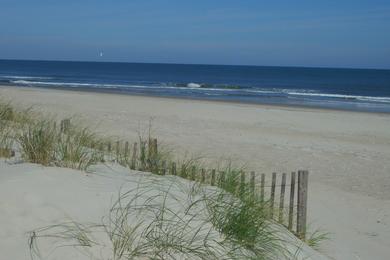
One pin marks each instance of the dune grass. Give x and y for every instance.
(316, 238)
(234, 211)
(155, 221)
(6, 140)
(38, 141)
(75, 149)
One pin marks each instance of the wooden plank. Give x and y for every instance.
(133, 164)
(143, 155)
(109, 151)
(173, 168)
(203, 177)
(126, 151)
(302, 203)
(212, 177)
(117, 150)
(252, 184)
(291, 206)
(164, 168)
(262, 183)
(242, 184)
(109, 147)
(65, 125)
(281, 202)
(222, 179)
(149, 149)
(155, 148)
(272, 201)
(154, 159)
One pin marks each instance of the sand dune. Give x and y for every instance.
(347, 153)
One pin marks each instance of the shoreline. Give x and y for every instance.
(211, 100)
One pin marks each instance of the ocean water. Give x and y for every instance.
(352, 89)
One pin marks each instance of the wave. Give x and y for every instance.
(194, 85)
(209, 89)
(351, 97)
(23, 77)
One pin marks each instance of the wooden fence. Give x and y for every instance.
(285, 194)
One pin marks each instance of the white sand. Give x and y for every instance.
(33, 196)
(347, 153)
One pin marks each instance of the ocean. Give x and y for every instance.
(350, 89)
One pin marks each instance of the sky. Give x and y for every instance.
(320, 33)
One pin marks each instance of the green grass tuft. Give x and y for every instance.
(38, 141)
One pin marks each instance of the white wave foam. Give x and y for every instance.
(22, 77)
(362, 98)
(194, 85)
(207, 90)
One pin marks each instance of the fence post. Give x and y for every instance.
(291, 208)
(134, 157)
(252, 184)
(242, 184)
(281, 203)
(65, 125)
(109, 151)
(222, 179)
(164, 168)
(126, 151)
(203, 177)
(213, 177)
(302, 203)
(154, 159)
(143, 155)
(273, 193)
(117, 150)
(173, 168)
(262, 187)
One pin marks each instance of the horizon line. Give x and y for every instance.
(201, 64)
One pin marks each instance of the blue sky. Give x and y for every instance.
(331, 33)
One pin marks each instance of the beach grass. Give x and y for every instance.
(75, 149)
(154, 221)
(234, 211)
(38, 141)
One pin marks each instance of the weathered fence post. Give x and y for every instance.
(222, 178)
(212, 177)
(281, 203)
(273, 193)
(252, 184)
(117, 150)
(291, 208)
(173, 168)
(164, 168)
(65, 125)
(133, 164)
(143, 155)
(109, 151)
(262, 187)
(126, 151)
(203, 176)
(242, 184)
(154, 158)
(302, 203)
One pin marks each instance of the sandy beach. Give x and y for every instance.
(346, 153)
